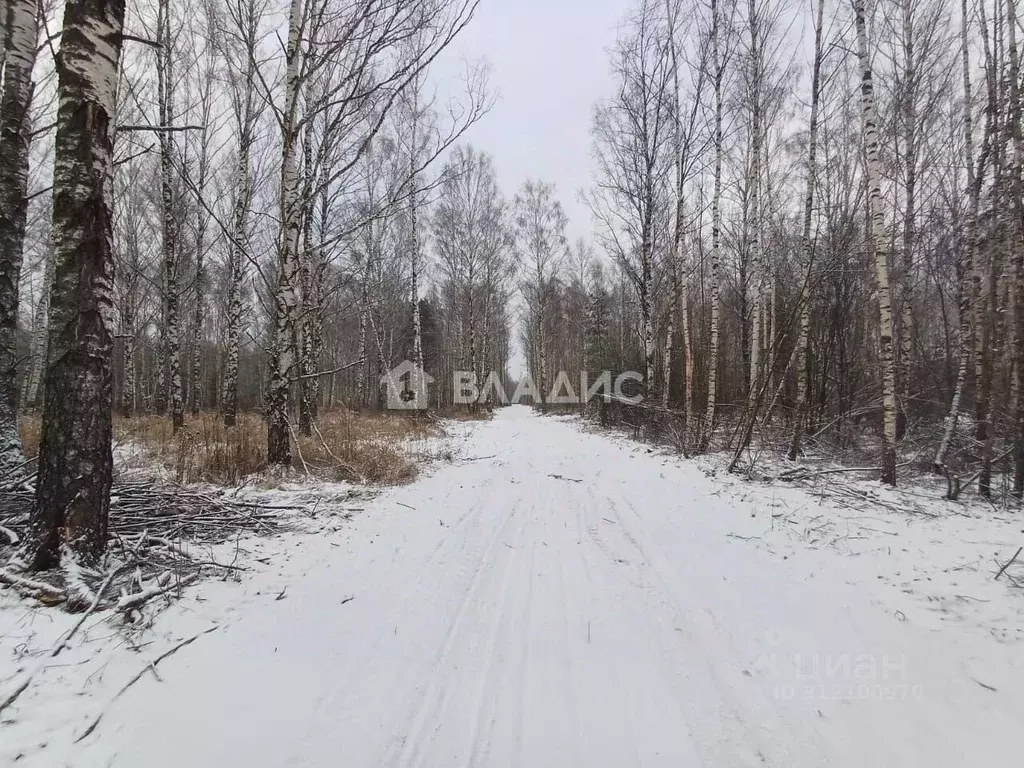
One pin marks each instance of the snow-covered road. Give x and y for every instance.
(559, 598)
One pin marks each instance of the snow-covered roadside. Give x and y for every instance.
(932, 558)
(66, 689)
(556, 597)
(934, 566)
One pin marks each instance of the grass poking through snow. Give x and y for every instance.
(375, 448)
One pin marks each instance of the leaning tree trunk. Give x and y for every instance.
(804, 334)
(75, 463)
(286, 297)
(15, 135)
(870, 129)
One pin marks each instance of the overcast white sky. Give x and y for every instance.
(548, 66)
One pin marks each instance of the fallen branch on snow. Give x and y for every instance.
(20, 687)
(1011, 561)
(150, 665)
(32, 587)
(163, 584)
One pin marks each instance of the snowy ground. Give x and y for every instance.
(557, 597)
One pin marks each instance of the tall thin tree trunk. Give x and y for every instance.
(169, 224)
(870, 129)
(21, 36)
(39, 328)
(909, 220)
(286, 298)
(675, 255)
(364, 310)
(414, 245)
(670, 329)
(754, 185)
(646, 301)
(128, 345)
(804, 334)
(199, 310)
(308, 384)
(968, 292)
(986, 303)
(236, 279)
(242, 95)
(716, 236)
(1016, 229)
(542, 359)
(75, 462)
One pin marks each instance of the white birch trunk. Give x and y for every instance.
(286, 298)
(199, 310)
(967, 282)
(806, 247)
(716, 235)
(878, 236)
(39, 335)
(168, 223)
(21, 37)
(1017, 251)
(75, 461)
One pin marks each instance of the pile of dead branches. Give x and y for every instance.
(161, 539)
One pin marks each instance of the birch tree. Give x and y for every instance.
(968, 294)
(633, 148)
(806, 243)
(718, 76)
(878, 243)
(539, 226)
(21, 34)
(240, 40)
(72, 500)
(172, 389)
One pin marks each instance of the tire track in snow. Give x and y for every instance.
(746, 707)
(432, 702)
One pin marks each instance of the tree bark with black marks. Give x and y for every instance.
(869, 123)
(171, 391)
(21, 35)
(284, 361)
(245, 25)
(75, 463)
(718, 73)
(806, 246)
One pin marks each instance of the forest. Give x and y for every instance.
(806, 231)
(254, 254)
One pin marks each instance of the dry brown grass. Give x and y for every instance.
(380, 449)
(463, 413)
